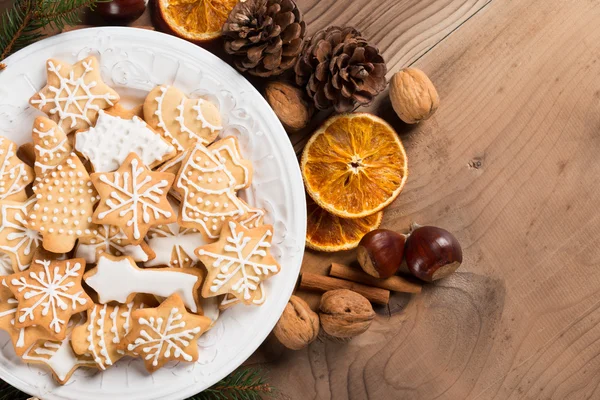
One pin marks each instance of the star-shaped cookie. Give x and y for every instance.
(74, 94)
(165, 333)
(133, 198)
(16, 238)
(49, 293)
(238, 262)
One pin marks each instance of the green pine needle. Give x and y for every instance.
(22, 24)
(243, 384)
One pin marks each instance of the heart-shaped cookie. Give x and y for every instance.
(183, 122)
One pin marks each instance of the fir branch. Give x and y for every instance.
(243, 384)
(8, 392)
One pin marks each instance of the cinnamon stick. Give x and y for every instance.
(322, 283)
(394, 283)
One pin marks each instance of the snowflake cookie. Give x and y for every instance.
(174, 245)
(64, 207)
(238, 262)
(59, 355)
(112, 240)
(102, 333)
(74, 94)
(49, 293)
(183, 122)
(50, 145)
(166, 333)
(120, 279)
(22, 338)
(208, 185)
(15, 175)
(112, 139)
(16, 238)
(133, 198)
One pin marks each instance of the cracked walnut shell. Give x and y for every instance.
(298, 325)
(345, 314)
(413, 95)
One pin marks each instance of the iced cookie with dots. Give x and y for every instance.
(15, 175)
(208, 185)
(22, 338)
(17, 239)
(101, 335)
(133, 198)
(112, 139)
(166, 333)
(58, 355)
(173, 244)
(51, 146)
(49, 293)
(65, 200)
(238, 262)
(74, 94)
(111, 240)
(183, 122)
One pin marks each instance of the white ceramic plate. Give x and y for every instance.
(133, 62)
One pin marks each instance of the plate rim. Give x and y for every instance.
(296, 188)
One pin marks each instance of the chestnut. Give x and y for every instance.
(380, 252)
(121, 10)
(432, 253)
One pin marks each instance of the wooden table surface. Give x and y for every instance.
(509, 164)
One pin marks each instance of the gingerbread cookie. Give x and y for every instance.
(49, 293)
(112, 139)
(133, 198)
(64, 207)
(16, 238)
(22, 338)
(102, 333)
(183, 122)
(58, 355)
(119, 279)
(208, 189)
(174, 245)
(50, 145)
(74, 94)
(112, 240)
(15, 175)
(166, 333)
(238, 262)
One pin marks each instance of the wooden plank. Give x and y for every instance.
(510, 165)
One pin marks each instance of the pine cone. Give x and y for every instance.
(264, 36)
(340, 69)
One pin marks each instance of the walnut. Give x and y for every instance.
(345, 314)
(298, 325)
(289, 105)
(413, 96)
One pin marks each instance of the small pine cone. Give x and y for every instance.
(340, 69)
(264, 36)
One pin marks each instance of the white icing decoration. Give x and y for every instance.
(236, 259)
(131, 188)
(20, 238)
(110, 141)
(230, 300)
(199, 116)
(13, 178)
(107, 241)
(172, 238)
(117, 280)
(52, 288)
(70, 93)
(161, 122)
(160, 340)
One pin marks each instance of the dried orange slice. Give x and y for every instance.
(354, 165)
(196, 20)
(326, 232)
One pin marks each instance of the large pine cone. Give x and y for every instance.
(264, 36)
(340, 69)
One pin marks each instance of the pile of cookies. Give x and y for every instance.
(117, 223)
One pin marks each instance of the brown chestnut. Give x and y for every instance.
(432, 253)
(380, 252)
(121, 10)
